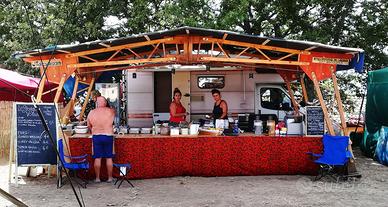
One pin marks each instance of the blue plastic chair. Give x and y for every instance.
(77, 164)
(335, 157)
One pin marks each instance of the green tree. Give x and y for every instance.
(195, 13)
(41, 23)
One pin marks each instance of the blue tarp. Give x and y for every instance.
(381, 153)
(69, 86)
(105, 77)
(356, 63)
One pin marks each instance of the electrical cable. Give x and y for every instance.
(39, 44)
(362, 103)
(11, 198)
(63, 135)
(45, 126)
(24, 93)
(32, 97)
(360, 112)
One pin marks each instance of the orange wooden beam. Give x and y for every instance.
(244, 60)
(122, 62)
(114, 48)
(258, 46)
(322, 63)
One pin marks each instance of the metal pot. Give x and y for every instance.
(164, 130)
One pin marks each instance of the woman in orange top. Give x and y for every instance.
(177, 111)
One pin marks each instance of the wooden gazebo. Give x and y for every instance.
(197, 46)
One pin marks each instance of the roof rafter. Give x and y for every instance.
(121, 62)
(114, 48)
(257, 61)
(257, 46)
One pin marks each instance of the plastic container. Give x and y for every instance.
(258, 125)
(134, 130)
(164, 130)
(220, 124)
(184, 131)
(194, 129)
(145, 130)
(174, 131)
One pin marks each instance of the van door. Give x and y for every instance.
(272, 100)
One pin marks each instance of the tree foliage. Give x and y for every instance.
(40, 23)
(29, 24)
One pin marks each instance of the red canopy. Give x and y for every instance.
(9, 80)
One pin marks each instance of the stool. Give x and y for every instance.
(122, 175)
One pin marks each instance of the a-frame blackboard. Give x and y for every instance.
(315, 121)
(32, 143)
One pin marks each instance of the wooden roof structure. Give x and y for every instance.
(195, 46)
(191, 46)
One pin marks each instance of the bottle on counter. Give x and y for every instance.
(258, 126)
(271, 126)
(153, 130)
(235, 127)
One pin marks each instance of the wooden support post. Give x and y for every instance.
(339, 103)
(352, 162)
(323, 105)
(291, 93)
(86, 100)
(82, 90)
(49, 91)
(304, 91)
(70, 106)
(75, 89)
(12, 146)
(40, 89)
(59, 90)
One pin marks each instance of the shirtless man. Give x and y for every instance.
(100, 122)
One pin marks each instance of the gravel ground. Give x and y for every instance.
(297, 190)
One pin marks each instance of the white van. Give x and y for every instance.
(246, 92)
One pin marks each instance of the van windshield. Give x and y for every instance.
(275, 99)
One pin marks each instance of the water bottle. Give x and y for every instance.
(235, 127)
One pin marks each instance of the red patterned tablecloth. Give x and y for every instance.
(158, 157)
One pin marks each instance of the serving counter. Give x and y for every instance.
(156, 156)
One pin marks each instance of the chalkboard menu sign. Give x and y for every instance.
(33, 145)
(315, 120)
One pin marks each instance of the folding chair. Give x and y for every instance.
(123, 172)
(333, 161)
(76, 164)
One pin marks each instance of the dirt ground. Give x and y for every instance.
(370, 190)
